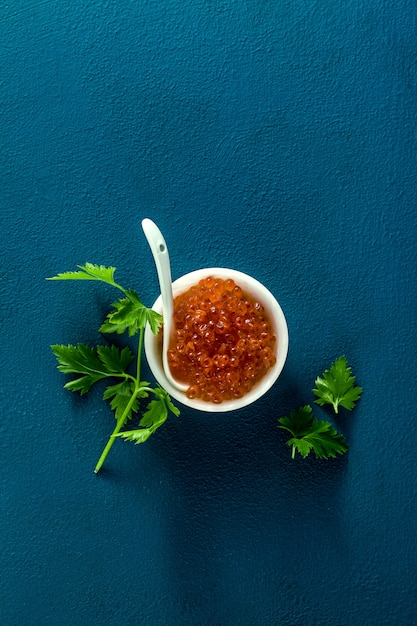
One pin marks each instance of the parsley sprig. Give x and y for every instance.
(337, 388)
(92, 364)
(309, 433)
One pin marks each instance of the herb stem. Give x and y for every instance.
(119, 287)
(139, 357)
(121, 422)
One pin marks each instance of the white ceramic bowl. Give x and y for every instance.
(253, 288)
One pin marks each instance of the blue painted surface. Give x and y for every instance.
(276, 137)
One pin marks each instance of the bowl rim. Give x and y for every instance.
(254, 288)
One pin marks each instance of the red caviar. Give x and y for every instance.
(223, 342)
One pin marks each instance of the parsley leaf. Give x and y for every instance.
(153, 418)
(139, 435)
(337, 386)
(309, 434)
(114, 359)
(89, 271)
(158, 407)
(90, 364)
(120, 395)
(93, 364)
(130, 315)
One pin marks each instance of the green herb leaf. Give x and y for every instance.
(137, 436)
(130, 315)
(337, 386)
(156, 414)
(309, 434)
(164, 396)
(298, 421)
(153, 418)
(90, 364)
(89, 271)
(114, 359)
(158, 409)
(93, 364)
(120, 395)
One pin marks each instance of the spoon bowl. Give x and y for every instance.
(155, 351)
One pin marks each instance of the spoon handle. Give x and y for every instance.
(160, 254)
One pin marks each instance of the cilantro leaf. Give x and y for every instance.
(130, 315)
(90, 364)
(309, 433)
(337, 386)
(89, 271)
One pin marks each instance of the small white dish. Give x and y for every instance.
(255, 289)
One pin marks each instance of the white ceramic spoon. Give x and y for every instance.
(160, 254)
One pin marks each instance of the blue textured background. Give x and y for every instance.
(274, 136)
